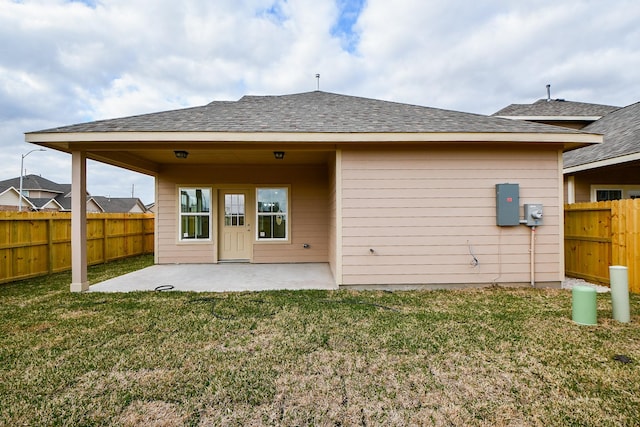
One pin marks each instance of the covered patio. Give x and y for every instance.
(224, 277)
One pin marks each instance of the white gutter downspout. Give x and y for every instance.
(571, 189)
(532, 250)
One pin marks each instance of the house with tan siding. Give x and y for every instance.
(607, 171)
(610, 171)
(387, 194)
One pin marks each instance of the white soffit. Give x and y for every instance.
(602, 163)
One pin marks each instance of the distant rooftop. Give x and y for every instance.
(556, 108)
(118, 204)
(62, 192)
(35, 183)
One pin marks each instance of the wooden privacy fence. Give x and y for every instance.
(598, 235)
(39, 243)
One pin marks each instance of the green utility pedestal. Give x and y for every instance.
(584, 305)
(619, 280)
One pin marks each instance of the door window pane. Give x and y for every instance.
(234, 214)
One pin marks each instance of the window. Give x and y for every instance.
(272, 213)
(234, 210)
(603, 195)
(195, 214)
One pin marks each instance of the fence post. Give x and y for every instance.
(50, 245)
(104, 239)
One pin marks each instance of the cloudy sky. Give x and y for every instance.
(65, 62)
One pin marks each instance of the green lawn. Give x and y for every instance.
(475, 357)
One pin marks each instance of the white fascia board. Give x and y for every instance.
(554, 118)
(9, 189)
(17, 192)
(23, 197)
(52, 201)
(91, 199)
(561, 137)
(602, 163)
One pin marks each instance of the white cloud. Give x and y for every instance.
(64, 62)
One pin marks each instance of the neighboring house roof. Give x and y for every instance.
(66, 190)
(311, 112)
(621, 130)
(62, 198)
(33, 183)
(45, 203)
(119, 204)
(544, 109)
(64, 201)
(25, 200)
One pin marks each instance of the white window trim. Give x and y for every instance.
(625, 189)
(287, 214)
(181, 238)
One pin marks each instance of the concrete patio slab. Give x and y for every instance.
(222, 278)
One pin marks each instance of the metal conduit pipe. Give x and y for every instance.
(532, 251)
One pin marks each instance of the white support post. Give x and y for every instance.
(571, 189)
(79, 281)
(339, 238)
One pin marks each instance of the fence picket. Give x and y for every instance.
(39, 243)
(598, 235)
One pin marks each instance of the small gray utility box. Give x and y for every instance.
(533, 214)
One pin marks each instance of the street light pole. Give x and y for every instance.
(21, 173)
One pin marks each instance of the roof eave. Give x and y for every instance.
(554, 118)
(52, 201)
(55, 139)
(602, 163)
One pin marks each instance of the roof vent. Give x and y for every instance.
(548, 93)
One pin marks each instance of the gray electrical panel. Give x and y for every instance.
(507, 204)
(533, 214)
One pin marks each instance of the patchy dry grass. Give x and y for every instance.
(498, 357)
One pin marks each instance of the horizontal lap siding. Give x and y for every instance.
(332, 228)
(309, 223)
(308, 214)
(169, 249)
(420, 217)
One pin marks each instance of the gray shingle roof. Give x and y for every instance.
(556, 108)
(621, 130)
(117, 204)
(33, 182)
(40, 203)
(65, 202)
(311, 112)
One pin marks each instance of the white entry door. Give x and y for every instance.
(235, 228)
